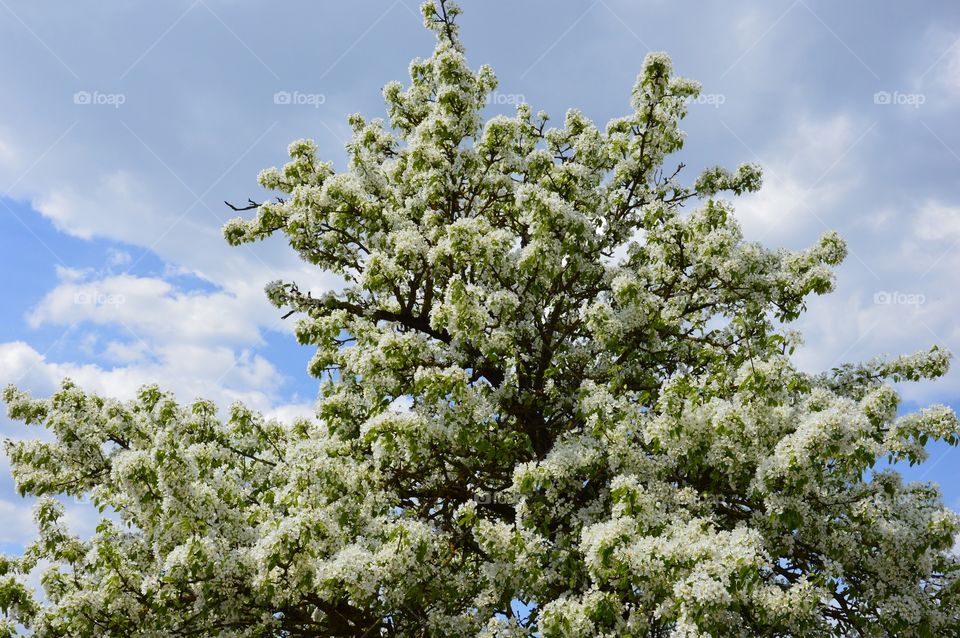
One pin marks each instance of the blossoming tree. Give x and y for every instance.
(554, 403)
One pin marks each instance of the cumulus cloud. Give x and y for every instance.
(806, 174)
(899, 306)
(191, 371)
(197, 343)
(938, 221)
(126, 352)
(153, 309)
(83, 213)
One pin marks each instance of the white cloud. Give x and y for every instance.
(160, 215)
(86, 212)
(152, 309)
(937, 221)
(777, 209)
(805, 175)
(117, 258)
(898, 307)
(129, 352)
(290, 412)
(65, 273)
(190, 371)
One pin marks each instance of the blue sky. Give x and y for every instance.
(125, 125)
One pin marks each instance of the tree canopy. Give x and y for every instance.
(556, 399)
